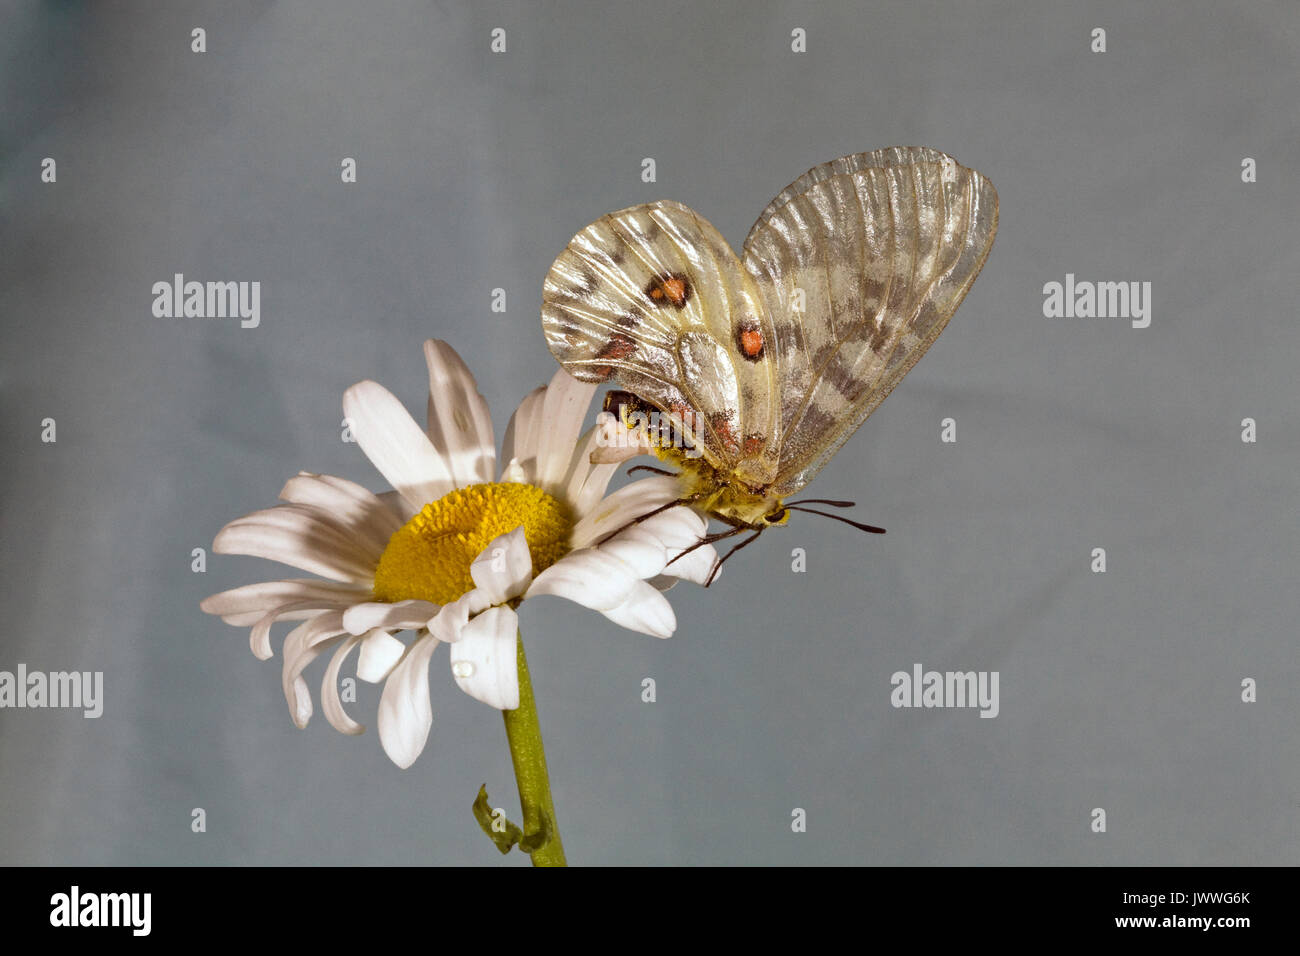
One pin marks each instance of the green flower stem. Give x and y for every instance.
(525, 736)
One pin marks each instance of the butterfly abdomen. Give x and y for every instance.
(738, 496)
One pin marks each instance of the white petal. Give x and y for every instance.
(695, 566)
(655, 546)
(352, 506)
(563, 412)
(303, 645)
(330, 704)
(460, 425)
(394, 617)
(676, 527)
(246, 605)
(380, 652)
(398, 505)
(585, 481)
(523, 434)
(645, 610)
(639, 549)
(483, 660)
(629, 502)
(453, 617)
(405, 714)
(590, 577)
(614, 442)
(505, 568)
(397, 447)
(514, 473)
(299, 537)
(259, 638)
(613, 454)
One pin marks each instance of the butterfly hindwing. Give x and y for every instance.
(861, 262)
(653, 299)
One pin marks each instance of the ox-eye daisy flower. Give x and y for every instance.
(450, 553)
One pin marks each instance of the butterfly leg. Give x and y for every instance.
(689, 499)
(652, 468)
(707, 539)
(713, 539)
(718, 567)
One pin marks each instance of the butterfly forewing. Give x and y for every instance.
(847, 278)
(861, 263)
(653, 299)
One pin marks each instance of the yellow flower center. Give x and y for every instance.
(429, 557)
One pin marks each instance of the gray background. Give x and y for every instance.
(1119, 690)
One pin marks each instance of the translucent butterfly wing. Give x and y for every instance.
(861, 262)
(651, 298)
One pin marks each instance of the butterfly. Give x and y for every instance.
(765, 363)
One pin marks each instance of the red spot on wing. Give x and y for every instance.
(670, 288)
(721, 422)
(749, 339)
(617, 348)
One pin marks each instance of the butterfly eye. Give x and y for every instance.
(775, 517)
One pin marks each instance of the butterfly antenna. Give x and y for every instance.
(857, 524)
(826, 501)
(652, 468)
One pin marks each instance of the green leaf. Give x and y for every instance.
(535, 841)
(483, 813)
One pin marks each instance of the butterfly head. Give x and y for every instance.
(745, 508)
(745, 514)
